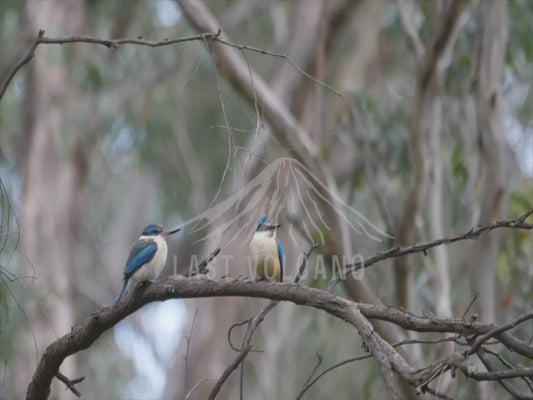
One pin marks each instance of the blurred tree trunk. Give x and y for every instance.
(489, 131)
(490, 135)
(55, 168)
(427, 106)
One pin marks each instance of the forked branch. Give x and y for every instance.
(83, 335)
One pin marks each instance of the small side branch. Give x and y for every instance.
(202, 267)
(111, 44)
(497, 330)
(253, 324)
(310, 382)
(391, 363)
(116, 43)
(517, 223)
(186, 357)
(70, 383)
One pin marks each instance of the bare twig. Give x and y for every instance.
(70, 383)
(186, 357)
(517, 223)
(497, 330)
(318, 363)
(111, 44)
(437, 394)
(287, 130)
(226, 125)
(474, 299)
(434, 341)
(303, 265)
(202, 267)
(253, 324)
(506, 385)
(278, 55)
(235, 325)
(116, 43)
(308, 384)
(196, 385)
(85, 333)
(504, 362)
(241, 382)
(240, 357)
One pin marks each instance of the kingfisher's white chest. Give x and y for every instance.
(264, 252)
(153, 268)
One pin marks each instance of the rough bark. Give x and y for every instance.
(356, 314)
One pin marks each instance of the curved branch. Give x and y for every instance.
(506, 385)
(111, 44)
(70, 383)
(517, 223)
(253, 324)
(245, 349)
(310, 382)
(285, 127)
(83, 335)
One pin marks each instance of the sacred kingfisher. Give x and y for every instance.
(266, 250)
(148, 256)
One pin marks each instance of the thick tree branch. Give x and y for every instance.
(357, 314)
(84, 334)
(506, 385)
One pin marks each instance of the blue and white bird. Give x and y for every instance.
(148, 256)
(268, 258)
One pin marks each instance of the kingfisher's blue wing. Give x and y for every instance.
(141, 253)
(281, 255)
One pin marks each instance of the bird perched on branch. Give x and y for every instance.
(266, 250)
(148, 256)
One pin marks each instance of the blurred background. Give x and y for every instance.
(95, 143)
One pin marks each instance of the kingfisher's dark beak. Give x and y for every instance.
(170, 231)
(274, 226)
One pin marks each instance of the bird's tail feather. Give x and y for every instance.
(122, 291)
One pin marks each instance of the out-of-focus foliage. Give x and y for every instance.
(156, 147)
